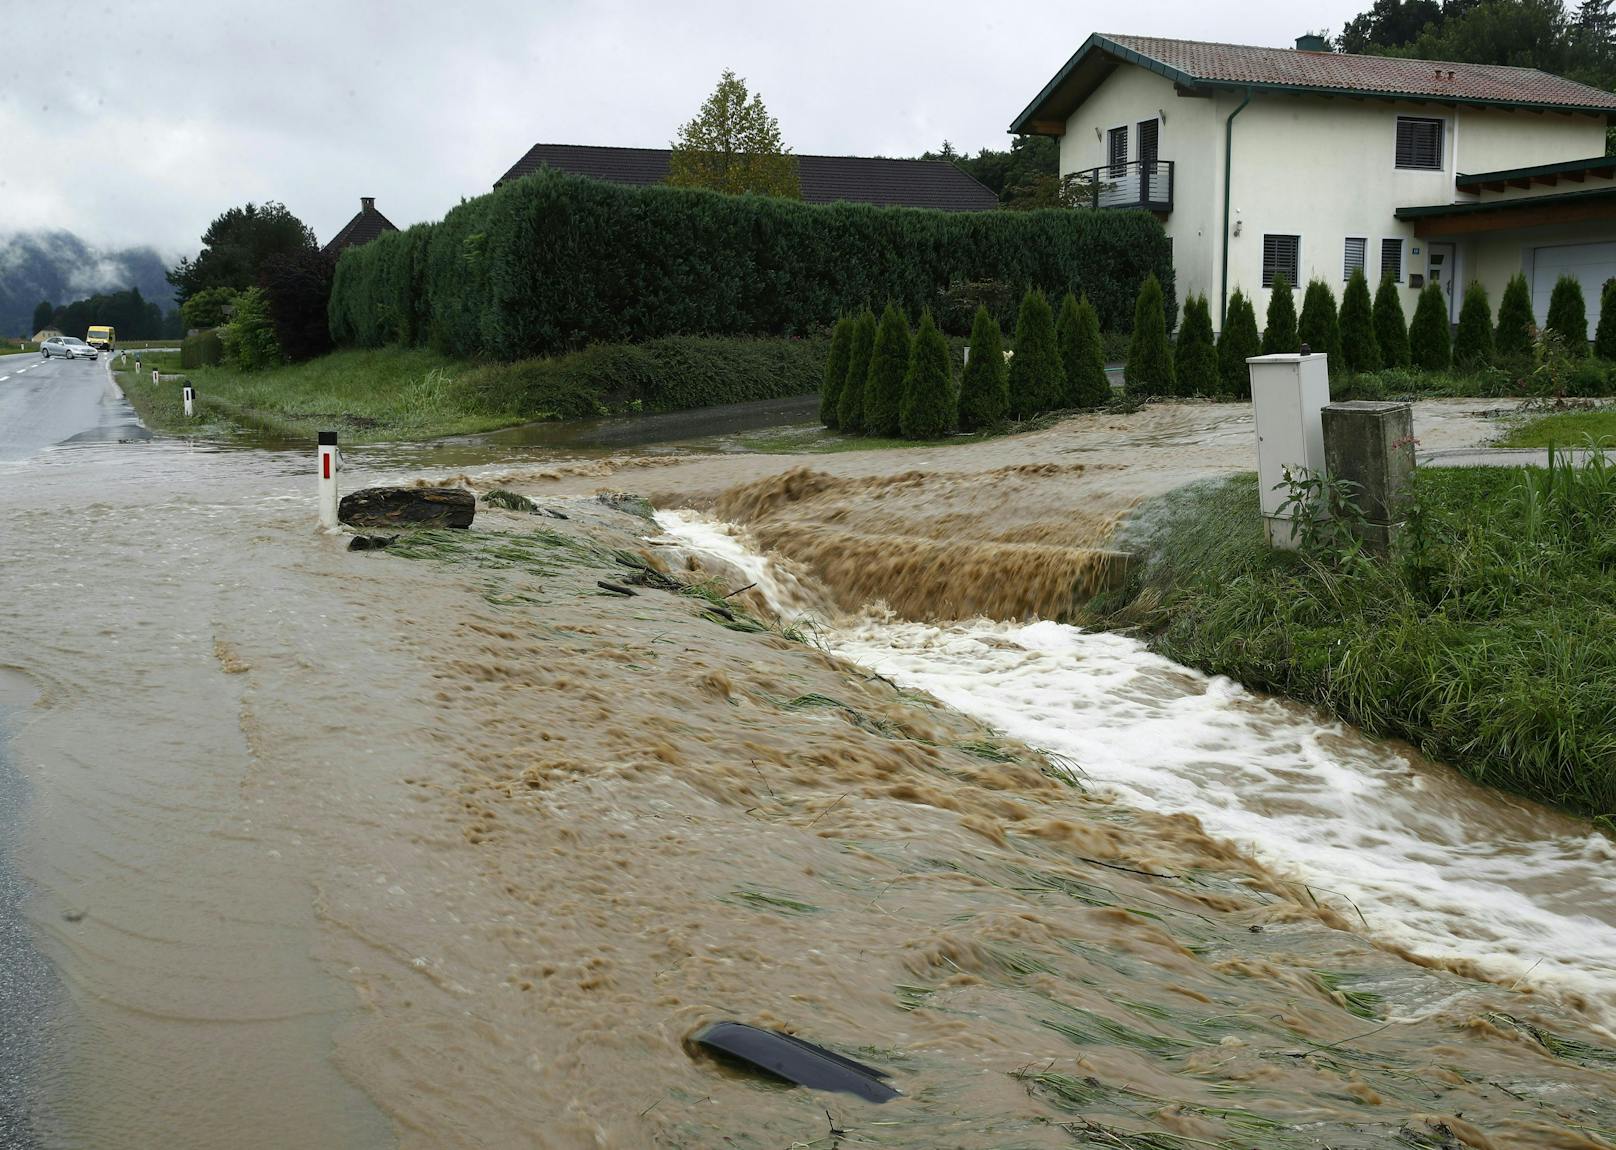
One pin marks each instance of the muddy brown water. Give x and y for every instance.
(454, 850)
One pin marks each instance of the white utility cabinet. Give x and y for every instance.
(1288, 395)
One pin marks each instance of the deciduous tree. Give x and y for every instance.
(236, 245)
(734, 145)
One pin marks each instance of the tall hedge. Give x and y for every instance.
(1318, 326)
(1568, 315)
(1195, 358)
(1513, 340)
(1473, 342)
(930, 405)
(1083, 357)
(889, 363)
(1149, 370)
(1429, 344)
(1391, 329)
(1605, 334)
(553, 261)
(1279, 333)
(841, 349)
(984, 399)
(1238, 342)
(850, 405)
(1035, 368)
(1360, 349)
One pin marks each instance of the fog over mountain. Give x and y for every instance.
(61, 267)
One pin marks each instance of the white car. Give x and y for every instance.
(68, 348)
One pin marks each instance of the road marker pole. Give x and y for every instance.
(327, 462)
(154, 375)
(189, 395)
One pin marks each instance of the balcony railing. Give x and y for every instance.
(1146, 184)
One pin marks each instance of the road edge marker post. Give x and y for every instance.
(327, 462)
(189, 395)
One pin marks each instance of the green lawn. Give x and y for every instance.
(1566, 429)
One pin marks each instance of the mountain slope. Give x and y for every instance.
(61, 267)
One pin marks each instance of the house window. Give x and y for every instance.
(1117, 149)
(1280, 256)
(1148, 140)
(1419, 144)
(1391, 260)
(1353, 259)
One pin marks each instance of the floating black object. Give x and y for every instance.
(796, 1061)
(371, 542)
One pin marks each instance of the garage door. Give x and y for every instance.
(1590, 264)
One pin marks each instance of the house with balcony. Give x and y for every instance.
(1311, 163)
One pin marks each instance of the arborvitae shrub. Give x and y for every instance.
(1279, 335)
(1429, 344)
(1195, 358)
(1150, 357)
(1512, 342)
(1605, 334)
(1086, 381)
(1237, 343)
(1066, 340)
(850, 405)
(1035, 369)
(1318, 326)
(1391, 329)
(1568, 315)
(1473, 343)
(889, 363)
(930, 405)
(985, 386)
(841, 350)
(1360, 350)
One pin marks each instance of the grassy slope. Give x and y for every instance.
(1567, 429)
(1492, 646)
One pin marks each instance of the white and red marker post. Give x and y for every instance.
(188, 394)
(327, 462)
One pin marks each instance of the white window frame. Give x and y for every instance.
(1363, 257)
(1441, 143)
(1266, 278)
(1402, 258)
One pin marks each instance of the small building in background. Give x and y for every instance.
(363, 228)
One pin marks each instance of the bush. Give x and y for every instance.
(1513, 340)
(297, 288)
(850, 405)
(1391, 329)
(249, 337)
(841, 349)
(1318, 328)
(889, 363)
(1569, 316)
(206, 309)
(1195, 359)
(984, 398)
(1150, 359)
(957, 304)
(1605, 334)
(204, 349)
(1360, 350)
(1237, 343)
(930, 405)
(1083, 356)
(1279, 335)
(1428, 338)
(554, 261)
(1473, 344)
(1035, 369)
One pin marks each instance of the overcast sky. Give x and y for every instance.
(155, 115)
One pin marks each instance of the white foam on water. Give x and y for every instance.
(1440, 866)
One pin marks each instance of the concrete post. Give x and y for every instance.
(1288, 392)
(1372, 445)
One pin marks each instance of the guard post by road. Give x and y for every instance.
(327, 463)
(188, 393)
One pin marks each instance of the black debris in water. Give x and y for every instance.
(371, 542)
(792, 1059)
(614, 588)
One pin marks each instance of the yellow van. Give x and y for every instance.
(101, 337)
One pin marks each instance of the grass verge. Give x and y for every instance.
(1488, 639)
(1565, 429)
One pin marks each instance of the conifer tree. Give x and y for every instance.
(889, 363)
(1360, 350)
(1150, 357)
(1237, 343)
(1087, 382)
(1195, 358)
(985, 385)
(841, 350)
(1280, 333)
(1605, 334)
(930, 404)
(1473, 343)
(1429, 344)
(1568, 315)
(1035, 369)
(1066, 341)
(1391, 329)
(1512, 342)
(1318, 326)
(850, 404)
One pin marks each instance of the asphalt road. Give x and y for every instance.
(44, 402)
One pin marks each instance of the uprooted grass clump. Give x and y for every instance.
(1488, 637)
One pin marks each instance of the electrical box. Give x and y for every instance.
(1288, 395)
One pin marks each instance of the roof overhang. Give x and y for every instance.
(1099, 56)
(1546, 175)
(1433, 220)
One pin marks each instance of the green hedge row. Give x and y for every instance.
(553, 262)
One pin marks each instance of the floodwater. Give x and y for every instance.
(452, 848)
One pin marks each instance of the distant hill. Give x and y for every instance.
(61, 267)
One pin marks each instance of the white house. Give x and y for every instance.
(1311, 163)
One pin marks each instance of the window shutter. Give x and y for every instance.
(1353, 260)
(1280, 255)
(1419, 143)
(1391, 259)
(1119, 149)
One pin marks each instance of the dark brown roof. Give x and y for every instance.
(1194, 63)
(363, 228)
(825, 179)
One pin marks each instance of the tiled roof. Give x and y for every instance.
(825, 179)
(1197, 63)
(363, 228)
